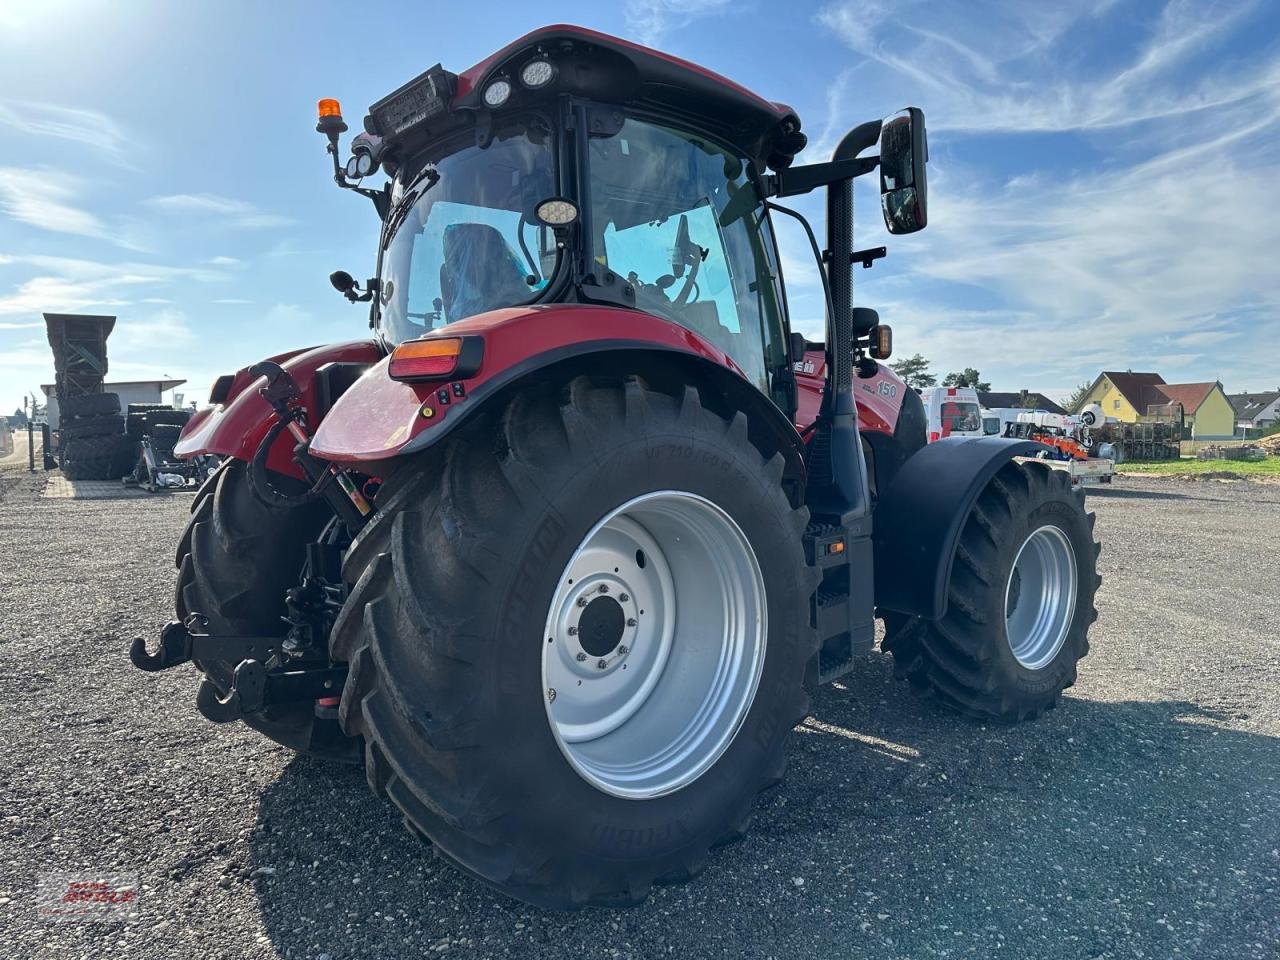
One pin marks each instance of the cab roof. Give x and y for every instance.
(609, 70)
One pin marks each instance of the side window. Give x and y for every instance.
(664, 215)
(648, 250)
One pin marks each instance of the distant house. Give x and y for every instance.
(1026, 399)
(130, 391)
(1255, 410)
(1206, 412)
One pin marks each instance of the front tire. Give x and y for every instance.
(1020, 602)
(466, 585)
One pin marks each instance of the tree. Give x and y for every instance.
(1072, 401)
(968, 377)
(915, 371)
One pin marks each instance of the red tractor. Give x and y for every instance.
(560, 550)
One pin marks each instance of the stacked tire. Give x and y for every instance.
(92, 430)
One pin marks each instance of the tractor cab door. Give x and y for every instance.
(660, 215)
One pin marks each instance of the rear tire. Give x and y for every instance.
(992, 655)
(171, 417)
(447, 625)
(111, 424)
(89, 405)
(235, 560)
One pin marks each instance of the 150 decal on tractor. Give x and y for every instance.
(559, 550)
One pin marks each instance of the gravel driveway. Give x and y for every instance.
(1142, 819)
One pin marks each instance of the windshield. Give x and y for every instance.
(958, 416)
(465, 240)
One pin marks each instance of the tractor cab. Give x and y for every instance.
(573, 167)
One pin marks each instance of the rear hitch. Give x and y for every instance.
(253, 689)
(179, 645)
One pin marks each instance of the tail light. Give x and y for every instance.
(437, 358)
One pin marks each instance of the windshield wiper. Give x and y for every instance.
(407, 203)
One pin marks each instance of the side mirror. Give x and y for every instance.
(904, 151)
(346, 285)
(798, 347)
(864, 320)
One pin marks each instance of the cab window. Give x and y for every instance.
(660, 202)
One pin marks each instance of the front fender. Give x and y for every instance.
(379, 418)
(236, 428)
(919, 518)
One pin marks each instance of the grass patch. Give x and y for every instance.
(1269, 467)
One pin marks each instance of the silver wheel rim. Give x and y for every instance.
(1040, 597)
(654, 644)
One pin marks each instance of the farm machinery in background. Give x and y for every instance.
(559, 552)
(1069, 443)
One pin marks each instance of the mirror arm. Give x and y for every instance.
(381, 198)
(796, 181)
(868, 256)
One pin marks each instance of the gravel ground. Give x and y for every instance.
(1139, 820)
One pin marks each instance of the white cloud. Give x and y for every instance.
(40, 198)
(649, 20)
(237, 213)
(88, 127)
(71, 284)
(1151, 247)
(232, 300)
(996, 66)
(224, 261)
(151, 334)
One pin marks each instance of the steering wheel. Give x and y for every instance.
(688, 254)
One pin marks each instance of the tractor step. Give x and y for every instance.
(842, 608)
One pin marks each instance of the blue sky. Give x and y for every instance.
(1103, 176)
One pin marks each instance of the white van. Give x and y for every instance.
(952, 412)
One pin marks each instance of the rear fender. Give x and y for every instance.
(879, 398)
(920, 515)
(379, 418)
(237, 427)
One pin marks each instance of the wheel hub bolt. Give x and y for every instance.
(573, 631)
(623, 649)
(582, 601)
(604, 588)
(631, 621)
(624, 597)
(581, 656)
(602, 664)
(551, 694)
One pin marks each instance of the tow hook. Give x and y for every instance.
(253, 687)
(179, 645)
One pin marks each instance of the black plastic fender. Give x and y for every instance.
(919, 517)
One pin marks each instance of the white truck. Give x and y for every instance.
(952, 412)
